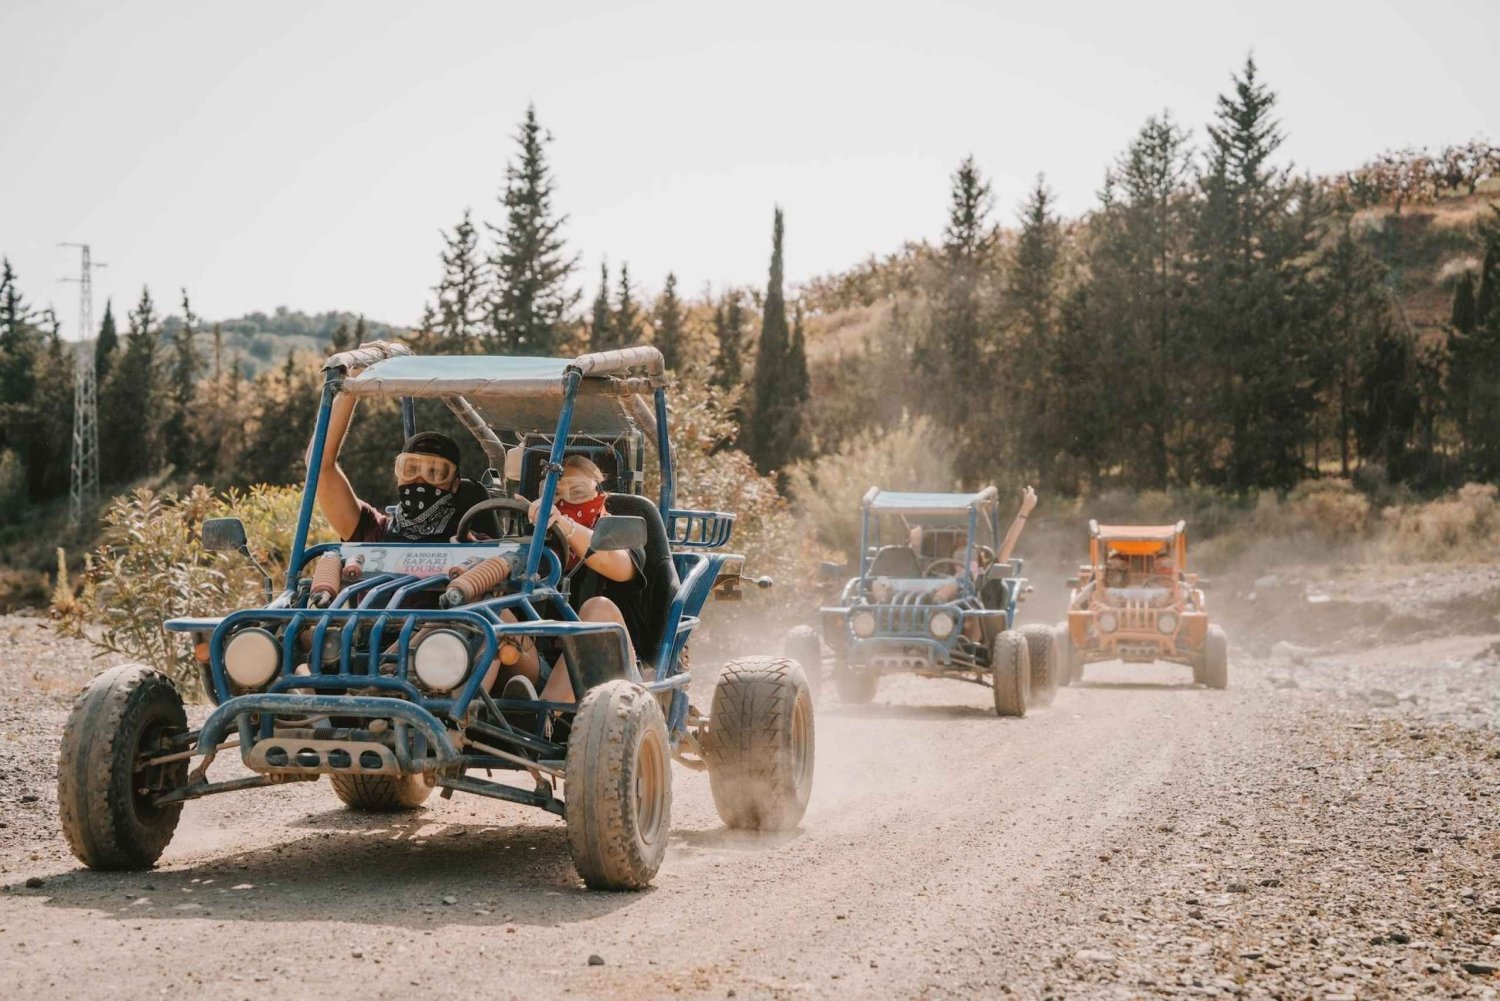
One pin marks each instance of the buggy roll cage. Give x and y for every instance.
(877, 502)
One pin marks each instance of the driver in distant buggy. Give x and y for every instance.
(433, 499)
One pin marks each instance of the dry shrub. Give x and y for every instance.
(1330, 510)
(826, 491)
(1462, 527)
(151, 566)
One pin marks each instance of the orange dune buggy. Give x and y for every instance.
(1136, 601)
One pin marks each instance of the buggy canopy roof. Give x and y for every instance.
(520, 393)
(900, 502)
(1137, 533)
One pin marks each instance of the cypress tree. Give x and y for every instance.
(107, 344)
(129, 415)
(1355, 322)
(600, 328)
(530, 268)
(182, 384)
(668, 324)
(1387, 407)
(627, 318)
(1461, 322)
(1482, 356)
(772, 412)
(461, 306)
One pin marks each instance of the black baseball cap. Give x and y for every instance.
(433, 443)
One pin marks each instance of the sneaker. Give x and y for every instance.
(520, 689)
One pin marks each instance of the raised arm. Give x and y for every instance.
(336, 498)
(1028, 501)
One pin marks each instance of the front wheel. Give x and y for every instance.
(618, 787)
(1042, 653)
(1010, 673)
(381, 793)
(805, 646)
(104, 791)
(1216, 658)
(760, 744)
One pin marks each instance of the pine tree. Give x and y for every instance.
(129, 411)
(531, 299)
(1253, 294)
(107, 344)
(798, 381)
(601, 332)
(461, 294)
(729, 338)
(775, 416)
(668, 324)
(177, 431)
(1031, 295)
(957, 355)
(20, 343)
(1356, 321)
(51, 426)
(1387, 405)
(627, 318)
(1460, 334)
(1482, 357)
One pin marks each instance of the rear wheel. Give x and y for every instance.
(1216, 658)
(618, 787)
(381, 793)
(1042, 653)
(805, 646)
(1010, 671)
(104, 793)
(760, 744)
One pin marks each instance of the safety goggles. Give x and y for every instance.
(431, 469)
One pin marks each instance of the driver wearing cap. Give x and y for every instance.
(430, 494)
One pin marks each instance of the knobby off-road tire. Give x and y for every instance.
(1216, 658)
(805, 646)
(1042, 653)
(381, 793)
(618, 803)
(1010, 670)
(108, 821)
(760, 745)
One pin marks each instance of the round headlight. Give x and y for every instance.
(941, 624)
(251, 657)
(1108, 622)
(863, 624)
(1166, 622)
(441, 660)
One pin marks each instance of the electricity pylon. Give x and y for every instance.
(83, 492)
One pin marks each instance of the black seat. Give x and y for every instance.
(895, 561)
(662, 582)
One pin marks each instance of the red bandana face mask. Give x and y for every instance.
(587, 513)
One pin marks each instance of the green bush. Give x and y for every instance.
(151, 566)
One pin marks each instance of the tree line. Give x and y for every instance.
(1215, 320)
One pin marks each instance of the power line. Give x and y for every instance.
(83, 492)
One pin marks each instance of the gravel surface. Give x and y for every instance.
(1299, 836)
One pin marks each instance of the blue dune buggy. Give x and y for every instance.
(367, 667)
(930, 599)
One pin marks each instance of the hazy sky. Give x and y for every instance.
(308, 154)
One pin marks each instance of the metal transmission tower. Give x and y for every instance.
(84, 491)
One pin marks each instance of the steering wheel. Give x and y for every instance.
(513, 504)
(985, 555)
(944, 568)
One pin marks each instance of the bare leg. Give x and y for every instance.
(559, 687)
(527, 664)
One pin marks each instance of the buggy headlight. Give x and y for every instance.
(1107, 622)
(441, 660)
(941, 624)
(251, 657)
(863, 624)
(1166, 623)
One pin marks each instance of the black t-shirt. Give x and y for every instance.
(629, 596)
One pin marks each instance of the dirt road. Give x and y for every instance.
(1139, 837)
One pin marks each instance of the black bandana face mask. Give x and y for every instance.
(424, 512)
